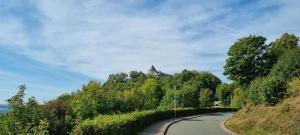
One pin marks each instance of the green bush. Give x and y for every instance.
(224, 93)
(238, 99)
(288, 65)
(269, 90)
(131, 123)
(206, 98)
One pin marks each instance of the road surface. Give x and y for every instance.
(205, 124)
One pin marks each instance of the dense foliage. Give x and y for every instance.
(238, 99)
(279, 46)
(206, 98)
(269, 90)
(247, 59)
(121, 93)
(224, 93)
(262, 70)
(288, 65)
(23, 117)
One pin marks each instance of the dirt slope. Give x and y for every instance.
(284, 118)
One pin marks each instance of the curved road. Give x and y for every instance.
(205, 124)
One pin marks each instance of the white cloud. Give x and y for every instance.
(97, 38)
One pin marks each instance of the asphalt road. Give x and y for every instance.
(205, 124)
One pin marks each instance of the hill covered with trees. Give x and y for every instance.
(121, 93)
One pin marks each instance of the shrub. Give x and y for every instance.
(288, 65)
(268, 90)
(131, 123)
(238, 98)
(206, 98)
(224, 93)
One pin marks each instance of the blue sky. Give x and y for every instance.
(55, 46)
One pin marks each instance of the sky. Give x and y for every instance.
(55, 46)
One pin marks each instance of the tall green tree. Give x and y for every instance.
(23, 117)
(288, 65)
(90, 101)
(55, 112)
(247, 60)
(280, 46)
(118, 82)
(188, 95)
(152, 94)
(168, 100)
(206, 80)
(205, 98)
(238, 99)
(224, 93)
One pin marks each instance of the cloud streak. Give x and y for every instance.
(97, 38)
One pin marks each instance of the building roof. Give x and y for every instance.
(154, 72)
(152, 69)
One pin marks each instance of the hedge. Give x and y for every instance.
(131, 123)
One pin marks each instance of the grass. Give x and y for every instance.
(283, 118)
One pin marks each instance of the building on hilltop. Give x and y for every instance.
(152, 71)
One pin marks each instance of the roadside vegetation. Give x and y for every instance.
(269, 81)
(121, 93)
(282, 118)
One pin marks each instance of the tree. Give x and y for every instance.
(187, 96)
(184, 76)
(118, 78)
(288, 65)
(118, 82)
(280, 46)
(201, 79)
(55, 113)
(247, 60)
(152, 94)
(130, 100)
(168, 100)
(42, 129)
(224, 93)
(238, 99)
(268, 90)
(288, 40)
(90, 101)
(136, 76)
(205, 99)
(136, 79)
(207, 80)
(23, 117)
